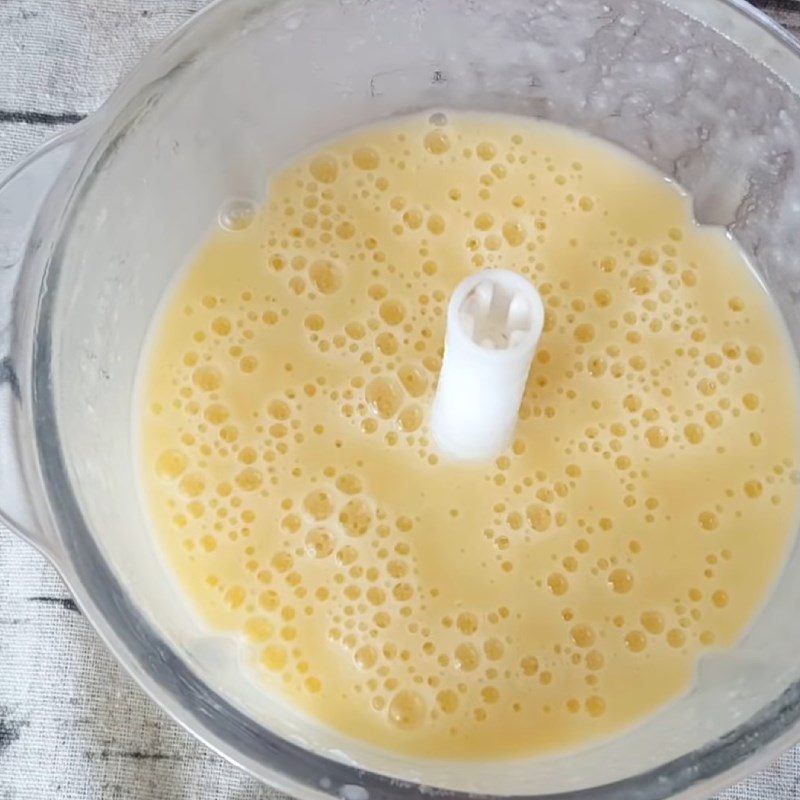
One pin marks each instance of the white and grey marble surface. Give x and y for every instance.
(72, 724)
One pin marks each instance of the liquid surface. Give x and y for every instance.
(529, 604)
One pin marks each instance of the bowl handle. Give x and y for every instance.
(22, 193)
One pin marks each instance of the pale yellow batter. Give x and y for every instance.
(534, 603)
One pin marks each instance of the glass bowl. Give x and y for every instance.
(95, 226)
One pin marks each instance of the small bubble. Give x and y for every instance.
(248, 364)
(736, 304)
(708, 520)
(514, 233)
(247, 455)
(386, 343)
(414, 380)
(324, 169)
(642, 283)
(413, 218)
(355, 330)
(755, 355)
(582, 635)
(269, 600)
(249, 479)
(365, 657)
(348, 483)
(437, 142)
(753, 489)
(447, 700)
(274, 657)
(376, 596)
(436, 224)
(493, 649)
(486, 151)
(366, 158)
(750, 401)
(318, 505)
(319, 543)
(648, 257)
(216, 414)
(392, 312)
(384, 397)
(706, 387)
(656, 437)
(539, 517)
(635, 641)
(595, 706)
(407, 710)
(632, 403)
(694, 433)
(467, 623)
(490, 695)
(192, 485)
(466, 658)
(620, 580)
(345, 230)
(713, 419)
(236, 215)
(652, 622)
(602, 298)
(596, 366)
(484, 221)
(325, 276)
(608, 264)
(235, 597)
(258, 629)
(720, 598)
(221, 326)
(731, 350)
(282, 561)
(278, 409)
(314, 322)
(171, 464)
(277, 263)
(676, 638)
(207, 379)
(356, 517)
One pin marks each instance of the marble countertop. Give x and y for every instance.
(72, 724)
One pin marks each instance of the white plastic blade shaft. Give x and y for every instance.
(494, 321)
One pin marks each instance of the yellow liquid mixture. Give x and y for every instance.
(529, 604)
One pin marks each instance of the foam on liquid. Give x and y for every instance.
(534, 603)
